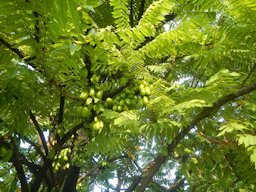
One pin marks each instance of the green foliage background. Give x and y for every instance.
(101, 89)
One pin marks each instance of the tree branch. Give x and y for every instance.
(38, 129)
(33, 145)
(155, 165)
(249, 75)
(61, 109)
(142, 7)
(176, 185)
(10, 46)
(18, 166)
(71, 179)
(70, 133)
(40, 175)
(131, 13)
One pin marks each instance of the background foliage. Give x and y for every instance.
(127, 95)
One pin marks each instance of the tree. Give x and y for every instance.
(128, 95)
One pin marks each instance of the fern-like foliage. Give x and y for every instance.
(120, 13)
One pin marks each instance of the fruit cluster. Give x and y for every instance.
(97, 125)
(131, 98)
(61, 159)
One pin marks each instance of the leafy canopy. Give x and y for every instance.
(127, 95)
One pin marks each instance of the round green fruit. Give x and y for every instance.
(92, 92)
(88, 101)
(119, 108)
(84, 112)
(145, 100)
(99, 94)
(109, 102)
(122, 102)
(147, 90)
(84, 95)
(128, 101)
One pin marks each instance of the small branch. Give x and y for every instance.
(249, 75)
(33, 145)
(131, 13)
(61, 109)
(37, 29)
(10, 46)
(38, 129)
(176, 185)
(216, 141)
(142, 7)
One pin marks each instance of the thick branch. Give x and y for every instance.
(40, 175)
(71, 180)
(70, 133)
(206, 112)
(38, 129)
(18, 166)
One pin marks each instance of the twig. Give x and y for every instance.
(142, 7)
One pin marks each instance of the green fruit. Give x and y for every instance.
(142, 89)
(99, 94)
(65, 158)
(114, 108)
(147, 90)
(109, 102)
(84, 95)
(119, 108)
(123, 95)
(145, 100)
(88, 101)
(84, 73)
(128, 101)
(122, 102)
(92, 92)
(118, 98)
(84, 111)
(95, 79)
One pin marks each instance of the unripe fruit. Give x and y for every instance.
(147, 90)
(84, 95)
(109, 102)
(128, 101)
(65, 158)
(92, 92)
(99, 94)
(121, 102)
(119, 108)
(145, 99)
(88, 101)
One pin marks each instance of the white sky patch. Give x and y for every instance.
(167, 27)
(25, 145)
